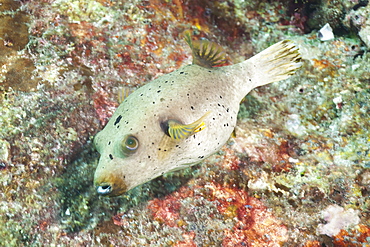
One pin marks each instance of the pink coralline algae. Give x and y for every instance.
(166, 211)
(303, 143)
(188, 240)
(256, 225)
(104, 107)
(354, 237)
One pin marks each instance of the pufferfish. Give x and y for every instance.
(183, 117)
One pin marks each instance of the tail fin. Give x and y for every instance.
(276, 63)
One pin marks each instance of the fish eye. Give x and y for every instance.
(130, 144)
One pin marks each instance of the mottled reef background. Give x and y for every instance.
(296, 174)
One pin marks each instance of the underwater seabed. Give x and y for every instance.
(296, 173)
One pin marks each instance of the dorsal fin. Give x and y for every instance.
(178, 131)
(123, 93)
(205, 53)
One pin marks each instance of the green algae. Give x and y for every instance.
(17, 69)
(83, 209)
(47, 192)
(325, 107)
(86, 10)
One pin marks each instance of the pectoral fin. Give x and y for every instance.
(177, 131)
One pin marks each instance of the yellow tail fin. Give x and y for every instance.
(276, 63)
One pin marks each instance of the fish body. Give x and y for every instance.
(137, 146)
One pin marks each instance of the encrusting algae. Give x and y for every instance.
(181, 118)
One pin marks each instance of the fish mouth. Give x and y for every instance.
(104, 189)
(110, 186)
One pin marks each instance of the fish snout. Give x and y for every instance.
(110, 185)
(111, 189)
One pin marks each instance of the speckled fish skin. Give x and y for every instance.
(184, 95)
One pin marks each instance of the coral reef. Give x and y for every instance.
(301, 148)
(337, 219)
(358, 19)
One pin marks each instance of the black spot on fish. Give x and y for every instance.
(109, 143)
(153, 102)
(158, 91)
(199, 144)
(192, 107)
(220, 97)
(141, 94)
(166, 82)
(111, 156)
(210, 71)
(200, 157)
(148, 156)
(218, 104)
(227, 109)
(118, 119)
(182, 72)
